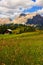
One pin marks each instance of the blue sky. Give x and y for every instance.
(33, 9)
(13, 8)
(34, 0)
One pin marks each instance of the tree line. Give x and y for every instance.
(17, 28)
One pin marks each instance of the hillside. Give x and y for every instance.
(22, 49)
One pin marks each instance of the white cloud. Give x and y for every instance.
(16, 3)
(11, 8)
(39, 2)
(40, 11)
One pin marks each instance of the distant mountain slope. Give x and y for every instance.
(5, 21)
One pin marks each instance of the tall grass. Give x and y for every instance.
(21, 49)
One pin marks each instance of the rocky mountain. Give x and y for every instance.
(5, 21)
(29, 19)
(22, 19)
(38, 19)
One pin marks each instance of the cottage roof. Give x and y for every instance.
(9, 29)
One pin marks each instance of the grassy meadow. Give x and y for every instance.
(21, 49)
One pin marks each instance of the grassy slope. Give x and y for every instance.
(21, 49)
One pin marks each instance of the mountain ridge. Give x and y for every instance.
(24, 19)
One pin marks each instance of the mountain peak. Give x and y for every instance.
(22, 14)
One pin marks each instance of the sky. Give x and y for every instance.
(12, 8)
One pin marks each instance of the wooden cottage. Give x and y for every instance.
(8, 31)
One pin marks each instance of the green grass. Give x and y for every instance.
(21, 49)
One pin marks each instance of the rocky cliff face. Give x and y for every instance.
(38, 19)
(5, 21)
